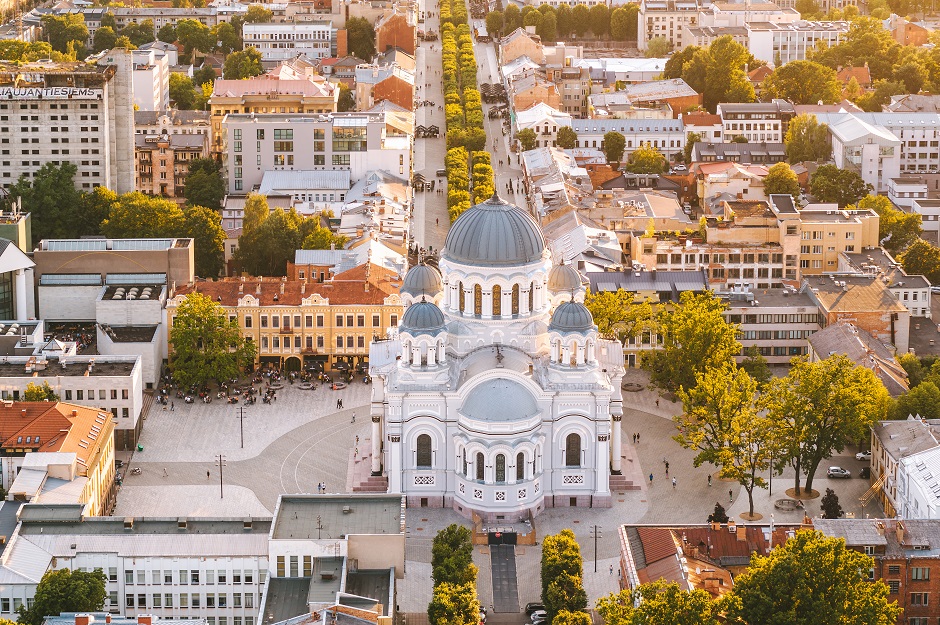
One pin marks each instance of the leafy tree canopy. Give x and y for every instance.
(646, 159)
(36, 392)
(804, 82)
(65, 590)
(807, 139)
(921, 259)
(659, 602)
(242, 64)
(840, 186)
(781, 179)
(361, 38)
(613, 146)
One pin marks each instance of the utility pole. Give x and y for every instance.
(221, 463)
(241, 423)
(596, 533)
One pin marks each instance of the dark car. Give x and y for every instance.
(532, 607)
(865, 472)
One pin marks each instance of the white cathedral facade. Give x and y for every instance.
(496, 396)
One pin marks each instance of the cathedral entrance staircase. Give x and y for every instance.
(360, 478)
(503, 567)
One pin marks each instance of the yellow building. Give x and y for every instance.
(264, 94)
(298, 323)
(826, 231)
(71, 444)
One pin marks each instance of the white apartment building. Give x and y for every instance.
(78, 112)
(357, 142)
(929, 211)
(151, 80)
(861, 144)
(669, 19)
(779, 43)
(281, 41)
(667, 135)
(758, 122)
(905, 191)
(902, 456)
(190, 568)
(777, 322)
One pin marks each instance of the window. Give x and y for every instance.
(500, 468)
(480, 466)
(920, 573)
(361, 321)
(520, 466)
(573, 450)
(423, 454)
(339, 321)
(247, 321)
(918, 598)
(893, 586)
(194, 576)
(376, 321)
(184, 577)
(128, 577)
(497, 301)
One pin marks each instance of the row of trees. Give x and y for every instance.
(563, 591)
(454, 601)
(735, 416)
(810, 579)
(453, 12)
(457, 165)
(482, 177)
(619, 24)
(463, 106)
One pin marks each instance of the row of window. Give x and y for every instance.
(102, 394)
(284, 321)
(776, 319)
(275, 342)
(775, 335)
(189, 600)
(186, 576)
(718, 258)
(34, 107)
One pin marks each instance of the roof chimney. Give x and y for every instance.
(258, 288)
(282, 288)
(84, 619)
(144, 619)
(899, 531)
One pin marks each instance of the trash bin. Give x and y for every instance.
(140, 447)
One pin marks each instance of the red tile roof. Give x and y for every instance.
(52, 427)
(861, 74)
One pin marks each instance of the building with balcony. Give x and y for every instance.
(307, 323)
(758, 122)
(669, 19)
(151, 76)
(497, 397)
(666, 135)
(282, 41)
(899, 451)
(162, 162)
(781, 42)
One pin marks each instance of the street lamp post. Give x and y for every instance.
(596, 533)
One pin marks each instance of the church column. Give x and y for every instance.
(445, 299)
(468, 301)
(591, 356)
(455, 297)
(375, 411)
(601, 468)
(487, 304)
(393, 465)
(523, 301)
(432, 355)
(416, 355)
(506, 304)
(441, 352)
(615, 451)
(579, 353)
(20, 294)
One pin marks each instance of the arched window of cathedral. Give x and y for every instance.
(497, 300)
(424, 451)
(573, 450)
(477, 300)
(462, 297)
(532, 297)
(500, 468)
(464, 455)
(520, 466)
(515, 299)
(480, 466)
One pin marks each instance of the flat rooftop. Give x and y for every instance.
(286, 598)
(131, 334)
(15, 366)
(777, 298)
(338, 515)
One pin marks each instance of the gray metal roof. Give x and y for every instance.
(422, 280)
(326, 258)
(296, 515)
(286, 598)
(422, 318)
(499, 400)
(572, 317)
(856, 532)
(494, 233)
(672, 282)
(564, 278)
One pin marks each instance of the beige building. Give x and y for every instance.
(309, 94)
(827, 232)
(519, 43)
(531, 90)
(162, 162)
(298, 323)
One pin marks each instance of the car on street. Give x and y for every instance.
(539, 616)
(680, 169)
(838, 473)
(532, 607)
(863, 455)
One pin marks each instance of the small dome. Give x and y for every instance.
(494, 233)
(422, 280)
(422, 318)
(571, 317)
(564, 279)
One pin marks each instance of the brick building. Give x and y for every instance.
(396, 29)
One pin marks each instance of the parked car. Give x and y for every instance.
(863, 455)
(539, 616)
(838, 473)
(865, 473)
(533, 607)
(680, 169)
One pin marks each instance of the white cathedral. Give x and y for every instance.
(496, 396)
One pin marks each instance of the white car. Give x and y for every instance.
(863, 455)
(539, 616)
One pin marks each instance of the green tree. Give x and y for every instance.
(923, 400)
(52, 201)
(15, 50)
(65, 590)
(361, 38)
(896, 229)
(108, 20)
(104, 39)
(61, 31)
(718, 72)
(613, 146)
(807, 139)
(809, 580)
(195, 36)
(920, 259)
(167, 33)
(808, 9)
(620, 24)
(566, 138)
(494, 23)
(718, 514)
(619, 316)
(548, 27)
(804, 82)
(580, 19)
(561, 554)
(452, 556)
(564, 617)
(659, 603)
(204, 183)
(95, 208)
(527, 139)
(182, 91)
(600, 20)
(242, 64)
(676, 63)
(226, 38)
(658, 47)
(781, 179)
(912, 75)
(840, 186)
(139, 33)
(35, 392)
(690, 140)
(512, 18)
(124, 42)
(565, 594)
(819, 408)
(756, 366)
(696, 338)
(203, 75)
(258, 14)
(347, 99)
(830, 505)
(205, 344)
(268, 240)
(723, 423)
(204, 226)
(916, 372)
(319, 237)
(563, 19)
(454, 605)
(135, 215)
(646, 159)
(881, 95)
(533, 18)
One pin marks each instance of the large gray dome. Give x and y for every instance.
(422, 318)
(422, 280)
(572, 317)
(494, 233)
(499, 400)
(564, 278)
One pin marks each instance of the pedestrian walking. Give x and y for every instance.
(165, 474)
(667, 468)
(709, 480)
(356, 452)
(357, 439)
(172, 406)
(730, 495)
(638, 438)
(611, 569)
(651, 479)
(657, 403)
(339, 404)
(673, 483)
(208, 475)
(354, 418)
